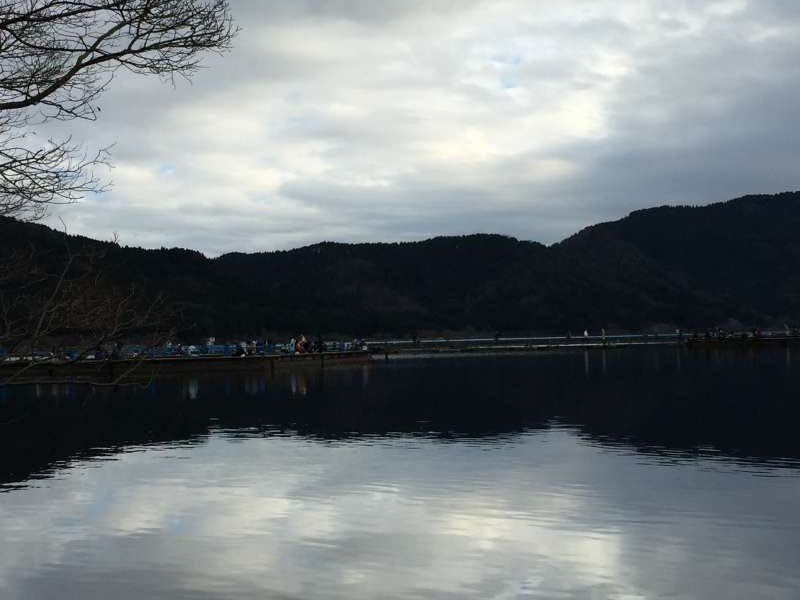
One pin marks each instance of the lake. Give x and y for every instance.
(629, 473)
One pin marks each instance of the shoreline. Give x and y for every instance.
(460, 348)
(125, 371)
(122, 371)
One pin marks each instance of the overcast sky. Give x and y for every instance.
(352, 120)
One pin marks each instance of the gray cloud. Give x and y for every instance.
(354, 121)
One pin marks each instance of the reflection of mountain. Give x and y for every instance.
(683, 266)
(738, 402)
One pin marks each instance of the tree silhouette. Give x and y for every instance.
(57, 57)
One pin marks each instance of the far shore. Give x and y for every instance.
(112, 372)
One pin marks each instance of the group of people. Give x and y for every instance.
(303, 345)
(296, 345)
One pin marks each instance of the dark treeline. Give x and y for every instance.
(732, 263)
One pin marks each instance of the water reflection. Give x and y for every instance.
(192, 388)
(605, 368)
(586, 363)
(298, 383)
(539, 514)
(254, 385)
(497, 477)
(712, 399)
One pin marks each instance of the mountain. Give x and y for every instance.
(668, 267)
(743, 252)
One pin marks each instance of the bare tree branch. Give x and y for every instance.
(70, 301)
(56, 59)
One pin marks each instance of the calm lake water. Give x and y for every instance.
(655, 473)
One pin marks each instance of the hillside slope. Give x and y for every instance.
(689, 267)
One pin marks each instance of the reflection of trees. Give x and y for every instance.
(735, 407)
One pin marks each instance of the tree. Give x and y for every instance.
(57, 57)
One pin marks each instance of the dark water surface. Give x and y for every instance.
(655, 473)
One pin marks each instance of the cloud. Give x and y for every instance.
(356, 120)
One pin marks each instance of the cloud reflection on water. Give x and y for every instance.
(491, 478)
(543, 514)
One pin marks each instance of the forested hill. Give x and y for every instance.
(688, 267)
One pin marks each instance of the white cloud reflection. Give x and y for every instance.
(538, 516)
